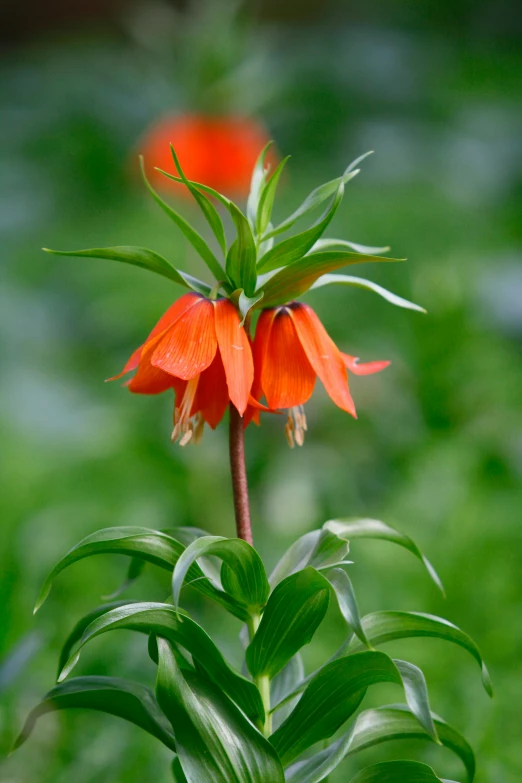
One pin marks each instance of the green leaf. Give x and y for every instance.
(139, 256)
(373, 528)
(241, 258)
(296, 557)
(77, 632)
(283, 685)
(330, 244)
(416, 692)
(164, 621)
(381, 627)
(258, 181)
(266, 201)
(344, 592)
(292, 615)
(373, 727)
(294, 248)
(177, 771)
(245, 303)
(331, 697)
(199, 185)
(398, 772)
(127, 700)
(397, 722)
(296, 279)
(211, 214)
(152, 546)
(316, 198)
(243, 574)
(214, 741)
(360, 282)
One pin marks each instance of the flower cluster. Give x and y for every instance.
(205, 347)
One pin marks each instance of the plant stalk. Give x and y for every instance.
(239, 476)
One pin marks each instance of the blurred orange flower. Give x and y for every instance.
(216, 151)
(292, 348)
(199, 349)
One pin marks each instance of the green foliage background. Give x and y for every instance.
(437, 449)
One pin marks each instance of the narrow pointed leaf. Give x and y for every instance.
(152, 546)
(294, 248)
(330, 244)
(347, 601)
(360, 282)
(210, 212)
(243, 574)
(296, 557)
(317, 197)
(77, 632)
(373, 727)
(177, 772)
(214, 741)
(256, 186)
(297, 278)
(381, 627)
(241, 258)
(397, 772)
(266, 201)
(134, 571)
(164, 621)
(283, 684)
(199, 185)
(139, 256)
(245, 303)
(127, 700)
(292, 615)
(330, 699)
(373, 528)
(416, 692)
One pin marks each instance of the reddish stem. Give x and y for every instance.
(239, 476)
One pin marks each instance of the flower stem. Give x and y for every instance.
(239, 476)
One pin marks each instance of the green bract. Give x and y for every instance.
(258, 267)
(226, 726)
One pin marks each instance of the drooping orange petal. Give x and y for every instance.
(368, 368)
(287, 377)
(236, 353)
(212, 398)
(323, 355)
(188, 347)
(150, 379)
(168, 318)
(259, 348)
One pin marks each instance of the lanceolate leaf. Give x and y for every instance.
(296, 279)
(314, 200)
(330, 244)
(190, 233)
(266, 202)
(256, 187)
(134, 571)
(381, 627)
(330, 700)
(397, 722)
(150, 545)
(199, 185)
(360, 282)
(177, 772)
(283, 684)
(373, 528)
(112, 695)
(344, 592)
(416, 692)
(206, 206)
(139, 256)
(295, 557)
(398, 772)
(214, 741)
(164, 621)
(241, 258)
(77, 632)
(373, 727)
(294, 248)
(243, 574)
(292, 615)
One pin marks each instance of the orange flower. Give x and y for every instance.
(199, 349)
(292, 348)
(217, 151)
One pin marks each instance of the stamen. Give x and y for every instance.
(187, 428)
(296, 426)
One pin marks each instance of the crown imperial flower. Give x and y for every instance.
(201, 347)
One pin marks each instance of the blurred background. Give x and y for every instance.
(436, 90)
